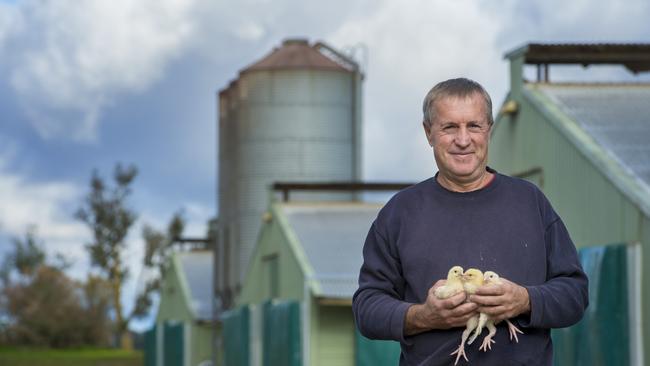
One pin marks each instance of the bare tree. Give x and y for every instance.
(106, 212)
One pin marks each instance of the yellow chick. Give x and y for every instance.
(491, 278)
(472, 280)
(454, 283)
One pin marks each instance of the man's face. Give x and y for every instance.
(459, 135)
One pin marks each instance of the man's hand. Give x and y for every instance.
(438, 313)
(503, 301)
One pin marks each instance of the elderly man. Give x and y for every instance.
(472, 216)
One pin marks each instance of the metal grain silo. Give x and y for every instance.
(294, 115)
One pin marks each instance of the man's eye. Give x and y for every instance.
(476, 127)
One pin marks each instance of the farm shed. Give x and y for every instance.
(182, 333)
(302, 276)
(587, 146)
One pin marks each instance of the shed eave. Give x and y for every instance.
(637, 192)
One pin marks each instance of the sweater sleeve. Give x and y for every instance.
(379, 310)
(562, 299)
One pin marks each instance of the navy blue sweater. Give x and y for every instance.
(508, 227)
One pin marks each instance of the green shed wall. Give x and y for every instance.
(201, 350)
(172, 302)
(272, 241)
(594, 210)
(334, 342)
(570, 181)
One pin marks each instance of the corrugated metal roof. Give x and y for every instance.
(295, 54)
(332, 236)
(616, 116)
(197, 270)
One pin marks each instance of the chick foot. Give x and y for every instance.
(513, 331)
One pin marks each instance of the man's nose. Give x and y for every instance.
(462, 137)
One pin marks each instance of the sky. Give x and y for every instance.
(87, 84)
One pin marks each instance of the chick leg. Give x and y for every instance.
(472, 323)
(487, 341)
(482, 320)
(513, 331)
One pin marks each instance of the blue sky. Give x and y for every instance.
(84, 85)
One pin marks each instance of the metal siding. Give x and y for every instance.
(281, 125)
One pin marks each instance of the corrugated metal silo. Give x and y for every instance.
(295, 115)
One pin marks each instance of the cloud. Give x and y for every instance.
(25, 204)
(72, 59)
(417, 43)
(412, 45)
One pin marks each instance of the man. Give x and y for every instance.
(472, 216)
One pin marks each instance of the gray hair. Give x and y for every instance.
(460, 88)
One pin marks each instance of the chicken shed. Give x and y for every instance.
(182, 333)
(587, 146)
(295, 306)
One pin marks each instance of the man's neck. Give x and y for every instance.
(459, 186)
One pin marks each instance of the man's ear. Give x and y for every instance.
(427, 132)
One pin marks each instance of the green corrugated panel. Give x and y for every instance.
(282, 334)
(601, 337)
(173, 344)
(150, 347)
(236, 323)
(376, 353)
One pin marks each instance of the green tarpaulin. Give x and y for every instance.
(282, 334)
(236, 325)
(173, 344)
(601, 337)
(376, 353)
(150, 347)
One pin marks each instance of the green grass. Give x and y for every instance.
(77, 357)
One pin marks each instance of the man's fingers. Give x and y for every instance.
(488, 300)
(490, 290)
(493, 310)
(464, 309)
(454, 301)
